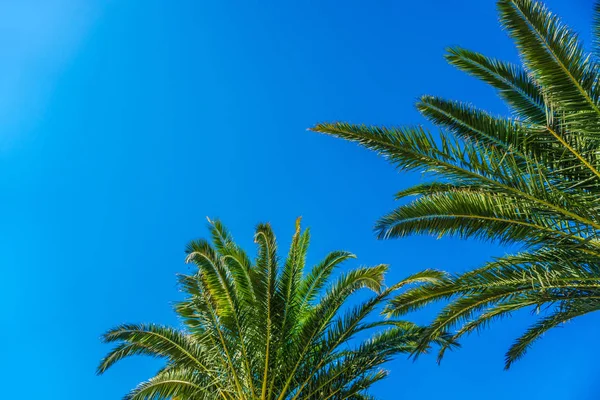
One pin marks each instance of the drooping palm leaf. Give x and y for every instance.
(532, 178)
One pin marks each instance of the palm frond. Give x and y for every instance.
(514, 84)
(532, 179)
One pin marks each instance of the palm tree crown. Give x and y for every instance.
(261, 330)
(531, 179)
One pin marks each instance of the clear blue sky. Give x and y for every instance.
(126, 123)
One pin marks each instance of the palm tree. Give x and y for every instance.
(532, 179)
(261, 330)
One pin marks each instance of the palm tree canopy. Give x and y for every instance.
(532, 178)
(265, 330)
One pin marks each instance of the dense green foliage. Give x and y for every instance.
(264, 330)
(531, 179)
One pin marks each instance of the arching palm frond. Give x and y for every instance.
(532, 179)
(263, 329)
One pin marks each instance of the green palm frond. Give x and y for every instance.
(174, 383)
(532, 179)
(596, 29)
(264, 329)
(513, 83)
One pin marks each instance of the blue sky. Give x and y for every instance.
(126, 123)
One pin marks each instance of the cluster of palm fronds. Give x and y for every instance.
(261, 330)
(531, 179)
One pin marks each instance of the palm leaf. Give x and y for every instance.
(531, 179)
